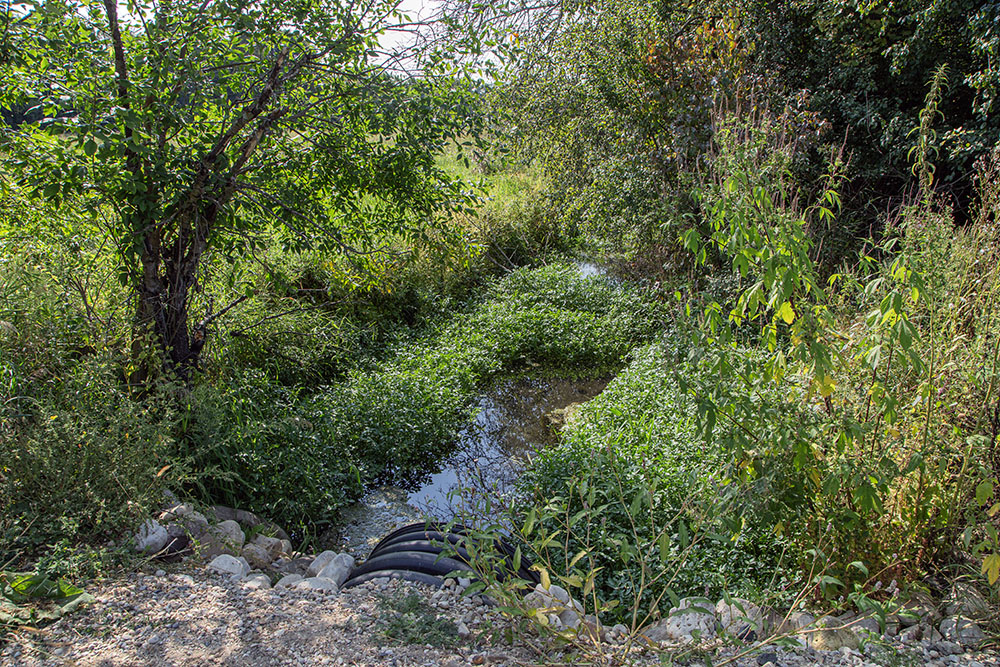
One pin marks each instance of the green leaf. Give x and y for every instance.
(664, 545)
(984, 491)
(786, 313)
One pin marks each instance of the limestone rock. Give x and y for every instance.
(293, 566)
(692, 620)
(256, 556)
(271, 545)
(569, 618)
(237, 568)
(321, 561)
(318, 584)
(151, 538)
(257, 581)
(230, 531)
(286, 548)
(248, 520)
(795, 624)
(834, 639)
(920, 607)
(222, 538)
(965, 600)
(591, 628)
(338, 569)
(288, 581)
(739, 617)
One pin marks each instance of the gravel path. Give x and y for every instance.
(202, 619)
(193, 617)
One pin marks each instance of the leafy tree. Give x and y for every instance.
(191, 127)
(867, 67)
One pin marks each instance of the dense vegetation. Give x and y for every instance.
(799, 201)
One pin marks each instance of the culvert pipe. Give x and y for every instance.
(419, 549)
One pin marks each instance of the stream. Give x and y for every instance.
(513, 419)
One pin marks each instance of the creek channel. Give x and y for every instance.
(514, 418)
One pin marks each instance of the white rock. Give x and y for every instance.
(151, 538)
(256, 555)
(286, 548)
(320, 562)
(555, 598)
(338, 569)
(965, 600)
(463, 629)
(691, 620)
(231, 532)
(918, 608)
(288, 581)
(569, 618)
(559, 593)
(257, 581)
(318, 584)
(237, 568)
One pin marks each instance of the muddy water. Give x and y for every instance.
(514, 418)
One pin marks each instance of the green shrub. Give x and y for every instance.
(82, 462)
(263, 446)
(658, 513)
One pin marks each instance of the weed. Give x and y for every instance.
(410, 620)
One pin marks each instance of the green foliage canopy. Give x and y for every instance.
(188, 126)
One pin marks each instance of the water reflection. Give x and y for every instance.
(512, 421)
(515, 418)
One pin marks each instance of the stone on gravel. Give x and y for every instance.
(256, 555)
(257, 581)
(919, 608)
(286, 548)
(271, 545)
(288, 581)
(961, 630)
(223, 538)
(231, 531)
(237, 568)
(834, 639)
(591, 629)
(151, 538)
(318, 584)
(693, 619)
(338, 569)
(318, 563)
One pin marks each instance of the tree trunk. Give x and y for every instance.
(168, 281)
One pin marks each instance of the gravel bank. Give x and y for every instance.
(193, 617)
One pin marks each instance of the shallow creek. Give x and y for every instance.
(514, 418)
